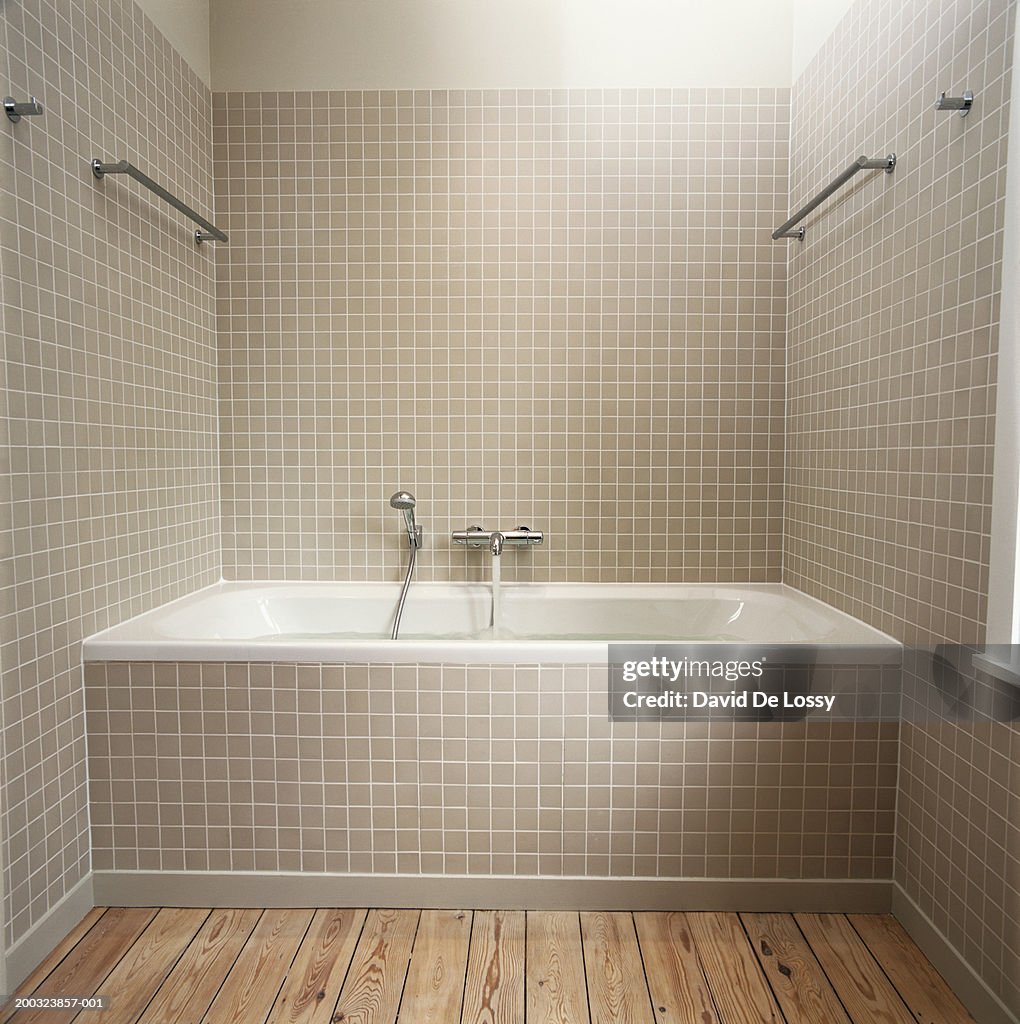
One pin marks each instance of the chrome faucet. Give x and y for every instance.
(496, 540)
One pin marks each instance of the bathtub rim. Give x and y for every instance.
(105, 646)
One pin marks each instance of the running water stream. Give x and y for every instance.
(496, 597)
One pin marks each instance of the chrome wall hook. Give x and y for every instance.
(15, 111)
(961, 103)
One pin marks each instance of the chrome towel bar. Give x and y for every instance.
(862, 163)
(123, 167)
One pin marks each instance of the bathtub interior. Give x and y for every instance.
(264, 613)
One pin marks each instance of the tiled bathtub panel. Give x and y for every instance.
(481, 770)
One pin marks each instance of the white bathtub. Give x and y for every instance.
(560, 623)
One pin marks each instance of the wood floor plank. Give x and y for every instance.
(89, 963)
(920, 986)
(680, 994)
(494, 990)
(863, 988)
(131, 985)
(797, 979)
(310, 993)
(555, 985)
(255, 980)
(435, 979)
(375, 981)
(66, 944)
(188, 992)
(440, 967)
(617, 991)
(740, 991)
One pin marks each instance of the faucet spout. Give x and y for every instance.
(496, 543)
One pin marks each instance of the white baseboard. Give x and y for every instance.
(985, 1006)
(300, 889)
(33, 947)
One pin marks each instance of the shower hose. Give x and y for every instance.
(413, 554)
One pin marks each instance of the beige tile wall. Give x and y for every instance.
(484, 770)
(958, 819)
(553, 308)
(110, 492)
(893, 312)
(6, 214)
(894, 300)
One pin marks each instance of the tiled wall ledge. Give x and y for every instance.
(485, 771)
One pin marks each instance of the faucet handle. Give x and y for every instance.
(474, 536)
(525, 535)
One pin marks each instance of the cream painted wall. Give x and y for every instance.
(477, 44)
(813, 23)
(186, 24)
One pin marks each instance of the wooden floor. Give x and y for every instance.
(174, 966)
